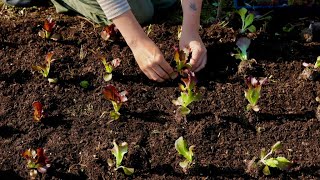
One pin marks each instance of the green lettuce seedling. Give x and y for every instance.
(109, 66)
(44, 69)
(265, 161)
(243, 44)
(118, 152)
(116, 98)
(181, 146)
(36, 162)
(311, 71)
(181, 57)
(252, 94)
(247, 20)
(189, 93)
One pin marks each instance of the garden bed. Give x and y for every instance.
(77, 136)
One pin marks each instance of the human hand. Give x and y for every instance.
(151, 60)
(191, 40)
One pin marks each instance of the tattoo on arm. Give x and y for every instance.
(193, 6)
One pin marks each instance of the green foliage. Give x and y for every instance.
(84, 84)
(181, 146)
(118, 151)
(266, 162)
(111, 93)
(252, 94)
(243, 44)
(247, 20)
(44, 69)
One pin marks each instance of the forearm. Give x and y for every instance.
(191, 14)
(129, 27)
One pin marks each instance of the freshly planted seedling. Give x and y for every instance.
(118, 151)
(48, 28)
(38, 113)
(181, 146)
(109, 66)
(189, 93)
(266, 161)
(311, 71)
(252, 94)
(245, 64)
(247, 20)
(181, 57)
(84, 84)
(44, 69)
(116, 98)
(36, 162)
(109, 32)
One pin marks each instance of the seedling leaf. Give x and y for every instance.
(127, 171)
(38, 113)
(283, 163)
(252, 29)
(276, 146)
(272, 162)
(119, 152)
(84, 84)
(266, 170)
(181, 147)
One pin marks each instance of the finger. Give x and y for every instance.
(203, 62)
(160, 72)
(195, 58)
(167, 68)
(152, 75)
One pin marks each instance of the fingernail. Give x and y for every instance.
(173, 75)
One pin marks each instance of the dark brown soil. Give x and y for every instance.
(76, 133)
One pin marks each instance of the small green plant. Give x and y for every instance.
(181, 57)
(117, 99)
(252, 94)
(311, 71)
(189, 92)
(84, 84)
(118, 151)
(265, 162)
(36, 162)
(109, 66)
(243, 44)
(44, 69)
(247, 20)
(181, 146)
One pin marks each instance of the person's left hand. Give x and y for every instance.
(192, 41)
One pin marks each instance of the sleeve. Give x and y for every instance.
(114, 8)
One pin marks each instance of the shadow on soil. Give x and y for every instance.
(19, 76)
(9, 174)
(148, 116)
(8, 131)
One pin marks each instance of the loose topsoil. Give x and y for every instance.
(78, 138)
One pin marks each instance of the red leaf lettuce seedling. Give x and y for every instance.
(247, 20)
(181, 146)
(44, 69)
(181, 57)
(252, 94)
(38, 113)
(118, 152)
(109, 66)
(108, 32)
(116, 98)
(36, 161)
(265, 161)
(189, 93)
(48, 30)
(311, 71)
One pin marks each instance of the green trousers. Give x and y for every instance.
(142, 9)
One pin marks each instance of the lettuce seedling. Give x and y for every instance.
(44, 69)
(247, 20)
(118, 151)
(181, 57)
(252, 94)
(38, 113)
(311, 71)
(181, 146)
(108, 32)
(265, 161)
(109, 66)
(243, 44)
(116, 98)
(189, 93)
(36, 161)
(48, 28)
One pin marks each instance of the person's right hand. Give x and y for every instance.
(151, 60)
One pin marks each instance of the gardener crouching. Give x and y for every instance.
(127, 15)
